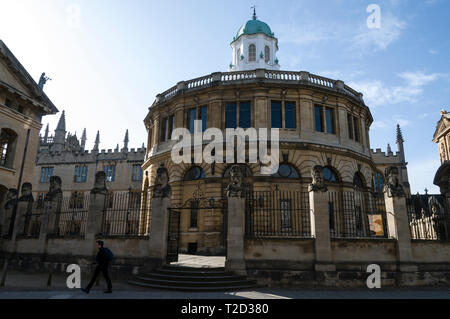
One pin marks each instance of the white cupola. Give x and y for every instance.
(254, 47)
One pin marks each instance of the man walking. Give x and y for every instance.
(104, 257)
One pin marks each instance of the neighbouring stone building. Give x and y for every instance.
(63, 154)
(23, 103)
(442, 138)
(321, 121)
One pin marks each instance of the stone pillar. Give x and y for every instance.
(159, 230)
(320, 222)
(50, 220)
(235, 236)
(52, 208)
(397, 219)
(97, 202)
(9, 209)
(236, 223)
(24, 211)
(159, 225)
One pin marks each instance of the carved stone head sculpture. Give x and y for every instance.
(27, 195)
(434, 205)
(11, 198)
(100, 183)
(393, 186)
(162, 188)
(236, 188)
(317, 184)
(54, 190)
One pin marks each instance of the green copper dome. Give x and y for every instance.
(253, 27)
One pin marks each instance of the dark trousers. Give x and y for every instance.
(100, 269)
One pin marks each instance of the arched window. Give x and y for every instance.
(358, 181)
(194, 174)
(7, 147)
(238, 56)
(252, 53)
(379, 182)
(329, 175)
(286, 171)
(267, 54)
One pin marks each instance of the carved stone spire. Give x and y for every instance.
(62, 122)
(400, 142)
(389, 149)
(125, 142)
(60, 133)
(97, 142)
(83, 140)
(399, 135)
(46, 134)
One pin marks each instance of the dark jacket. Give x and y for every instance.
(102, 258)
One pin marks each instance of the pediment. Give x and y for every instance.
(442, 126)
(7, 76)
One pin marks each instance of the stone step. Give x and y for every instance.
(184, 278)
(178, 288)
(187, 282)
(199, 277)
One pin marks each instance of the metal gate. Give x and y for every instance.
(197, 203)
(173, 241)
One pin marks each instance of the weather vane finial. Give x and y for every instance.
(254, 12)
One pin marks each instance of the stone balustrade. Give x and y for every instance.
(269, 76)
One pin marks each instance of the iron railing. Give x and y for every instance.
(71, 217)
(428, 217)
(357, 214)
(278, 214)
(124, 216)
(33, 221)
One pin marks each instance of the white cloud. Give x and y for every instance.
(379, 39)
(378, 93)
(418, 78)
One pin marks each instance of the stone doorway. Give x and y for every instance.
(196, 241)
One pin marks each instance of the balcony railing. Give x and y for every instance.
(269, 76)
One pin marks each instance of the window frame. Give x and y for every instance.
(251, 54)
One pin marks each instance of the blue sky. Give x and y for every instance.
(108, 59)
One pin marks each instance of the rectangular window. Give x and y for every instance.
(289, 115)
(204, 117)
(230, 115)
(244, 114)
(171, 126)
(80, 174)
(350, 126)
(137, 172)
(164, 123)
(3, 151)
(318, 118)
(46, 173)
(192, 116)
(8, 103)
(194, 215)
(110, 172)
(276, 114)
(356, 128)
(329, 116)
